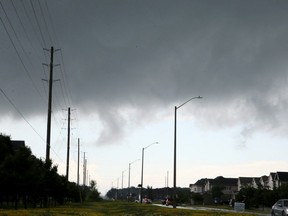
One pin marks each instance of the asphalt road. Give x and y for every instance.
(209, 209)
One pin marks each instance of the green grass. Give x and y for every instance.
(113, 208)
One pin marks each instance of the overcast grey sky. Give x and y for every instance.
(124, 63)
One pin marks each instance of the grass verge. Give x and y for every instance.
(106, 208)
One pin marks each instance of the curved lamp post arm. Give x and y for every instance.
(141, 188)
(129, 178)
(175, 140)
(150, 145)
(199, 97)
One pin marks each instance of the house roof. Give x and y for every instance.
(220, 180)
(245, 180)
(256, 179)
(282, 176)
(201, 182)
(264, 178)
(272, 174)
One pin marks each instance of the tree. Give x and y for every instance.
(217, 192)
(23, 176)
(183, 195)
(149, 193)
(94, 194)
(5, 146)
(197, 198)
(247, 195)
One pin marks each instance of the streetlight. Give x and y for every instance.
(122, 183)
(129, 179)
(141, 190)
(174, 184)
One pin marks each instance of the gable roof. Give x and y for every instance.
(282, 176)
(272, 174)
(245, 180)
(264, 178)
(201, 182)
(220, 180)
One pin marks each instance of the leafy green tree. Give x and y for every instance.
(247, 195)
(25, 177)
(94, 194)
(217, 191)
(111, 194)
(149, 193)
(197, 198)
(5, 146)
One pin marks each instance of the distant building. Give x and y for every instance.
(256, 182)
(264, 181)
(271, 180)
(232, 185)
(229, 185)
(199, 186)
(281, 178)
(244, 182)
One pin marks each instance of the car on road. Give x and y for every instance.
(280, 208)
(169, 201)
(147, 201)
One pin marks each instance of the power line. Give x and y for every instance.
(17, 52)
(31, 23)
(21, 23)
(10, 101)
(33, 13)
(38, 24)
(45, 23)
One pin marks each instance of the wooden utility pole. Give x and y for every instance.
(49, 107)
(68, 145)
(50, 81)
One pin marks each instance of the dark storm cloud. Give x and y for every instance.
(140, 54)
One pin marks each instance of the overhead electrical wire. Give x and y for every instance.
(32, 26)
(37, 11)
(38, 24)
(17, 52)
(15, 107)
(21, 23)
(45, 23)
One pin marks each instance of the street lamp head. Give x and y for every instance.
(149, 145)
(199, 97)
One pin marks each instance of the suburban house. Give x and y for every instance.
(244, 182)
(280, 179)
(271, 181)
(199, 186)
(229, 185)
(232, 185)
(255, 182)
(264, 181)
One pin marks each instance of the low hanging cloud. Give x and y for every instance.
(148, 56)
